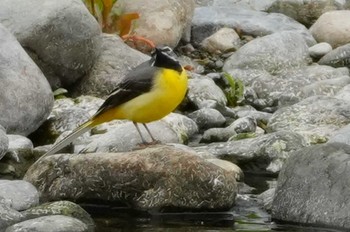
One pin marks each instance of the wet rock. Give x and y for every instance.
(22, 194)
(115, 61)
(121, 137)
(272, 53)
(311, 187)
(306, 12)
(316, 118)
(221, 41)
(25, 95)
(4, 142)
(203, 90)
(319, 50)
(207, 118)
(339, 57)
(55, 223)
(207, 20)
(150, 178)
(163, 22)
(62, 60)
(332, 28)
(64, 208)
(263, 154)
(8, 216)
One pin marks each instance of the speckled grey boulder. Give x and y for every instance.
(65, 208)
(307, 11)
(315, 117)
(339, 57)
(122, 136)
(54, 223)
(4, 142)
(62, 36)
(319, 50)
(208, 20)
(202, 91)
(273, 53)
(8, 216)
(265, 153)
(292, 85)
(312, 186)
(150, 178)
(25, 95)
(115, 61)
(22, 194)
(207, 118)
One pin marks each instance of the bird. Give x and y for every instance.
(149, 92)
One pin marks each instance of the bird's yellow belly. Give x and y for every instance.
(167, 93)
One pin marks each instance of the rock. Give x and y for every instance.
(25, 95)
(244, 125)
(115, 61)
(339, 57)
(54, 223)
(18, 142)
(64, 208)
(332, 27)
(311, 186)
(293, 85)
(207, 20)
(319, 50)
(341, 136)
(325, 87)
(187, 181)
(122, 137)
(228, 166)
(218, 134)
(344, 93)
(200, 91)
(22, 194)
(66, 115)
(223, 40)
(263, 154)
(316, 118)
(4, 142)
(207, 118)
(266, 198)
(163, 22)
(306, 12)
(272, 53)
(8, 216)
(257, 5)
(260, 117)
(62, 60)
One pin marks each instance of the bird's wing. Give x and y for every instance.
(136, 82)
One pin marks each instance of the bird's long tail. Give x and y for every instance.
(68, 139)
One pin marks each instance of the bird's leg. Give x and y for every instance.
(138, 130)
(154, 141)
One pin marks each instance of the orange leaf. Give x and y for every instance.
(124, 23)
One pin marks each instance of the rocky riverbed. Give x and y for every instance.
(260, 143)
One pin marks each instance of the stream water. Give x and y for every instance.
(246, 215)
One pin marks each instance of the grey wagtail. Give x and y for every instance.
(147, 93)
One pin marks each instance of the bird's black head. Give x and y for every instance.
(164, 57)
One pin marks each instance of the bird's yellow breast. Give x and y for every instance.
(169, 89)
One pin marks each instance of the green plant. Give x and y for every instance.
(234, 93)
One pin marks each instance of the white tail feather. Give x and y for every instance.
(67, 140)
